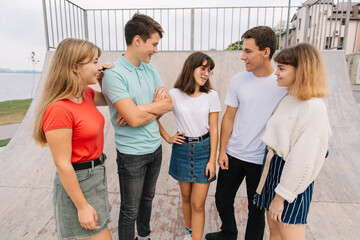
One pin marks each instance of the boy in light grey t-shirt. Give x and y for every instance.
(251, 99)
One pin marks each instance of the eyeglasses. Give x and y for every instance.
(203, 70)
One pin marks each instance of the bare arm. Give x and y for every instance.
(213, 130)
(162, 103)
(226, 130)
(160, 96)
(59, 141)
(162, 131)
(177, 138)
(99, 98)
(131, 114)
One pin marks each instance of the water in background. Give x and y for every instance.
(18, 85)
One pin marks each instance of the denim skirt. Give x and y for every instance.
(188, 162)
(93, 184)
(293, 213)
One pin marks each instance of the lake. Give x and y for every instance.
(18, 85)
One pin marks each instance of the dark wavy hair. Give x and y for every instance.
(186, 81)
(264, 37)
(141, 25)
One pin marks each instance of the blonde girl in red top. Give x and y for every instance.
(69, 122)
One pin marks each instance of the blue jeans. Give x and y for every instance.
(188, 162)
(137, 177)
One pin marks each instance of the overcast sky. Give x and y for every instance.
(22, 24)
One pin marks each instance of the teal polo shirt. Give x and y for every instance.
(138, 83)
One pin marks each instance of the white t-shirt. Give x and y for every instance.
(255, 99)
(192, 113)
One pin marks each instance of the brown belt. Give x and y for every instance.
(265, 171)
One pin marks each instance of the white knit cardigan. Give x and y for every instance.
(299, 132)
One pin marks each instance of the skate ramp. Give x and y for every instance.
(28, 170)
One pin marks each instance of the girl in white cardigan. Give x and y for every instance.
(297, 137)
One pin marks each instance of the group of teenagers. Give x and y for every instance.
(274, 134)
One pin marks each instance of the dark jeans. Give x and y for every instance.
(228, 184)
(137, 176)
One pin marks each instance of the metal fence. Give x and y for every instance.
(185, 28)
(63, 19)
(324, 23)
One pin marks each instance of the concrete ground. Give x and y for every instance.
(28, 170)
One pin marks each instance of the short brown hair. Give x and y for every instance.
(141, 25)
(264, 37)
(310, 76)
(186, 81)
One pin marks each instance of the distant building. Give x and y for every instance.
(291, 36)
(323, 24)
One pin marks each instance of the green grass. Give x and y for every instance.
(4, 142)
(13, 111)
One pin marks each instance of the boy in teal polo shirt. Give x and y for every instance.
(136, 95)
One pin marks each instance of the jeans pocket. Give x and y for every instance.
(82, 175)
(206, 143)
(90, 181)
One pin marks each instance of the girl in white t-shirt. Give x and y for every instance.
(193, 159)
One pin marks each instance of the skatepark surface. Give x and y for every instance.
(28, 170)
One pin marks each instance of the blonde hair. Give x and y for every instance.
(61, 82)
(310, 75)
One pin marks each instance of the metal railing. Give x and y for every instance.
(185, 28)
(63, 19)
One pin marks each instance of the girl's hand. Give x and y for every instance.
(210, 168)
(276, 208)
(177, 139)
(88, 217)
(101, 73)
(107, 65)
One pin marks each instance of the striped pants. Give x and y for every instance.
(293, 213)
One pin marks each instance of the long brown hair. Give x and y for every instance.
(310, 75)
(186, 81)
(61, 82)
